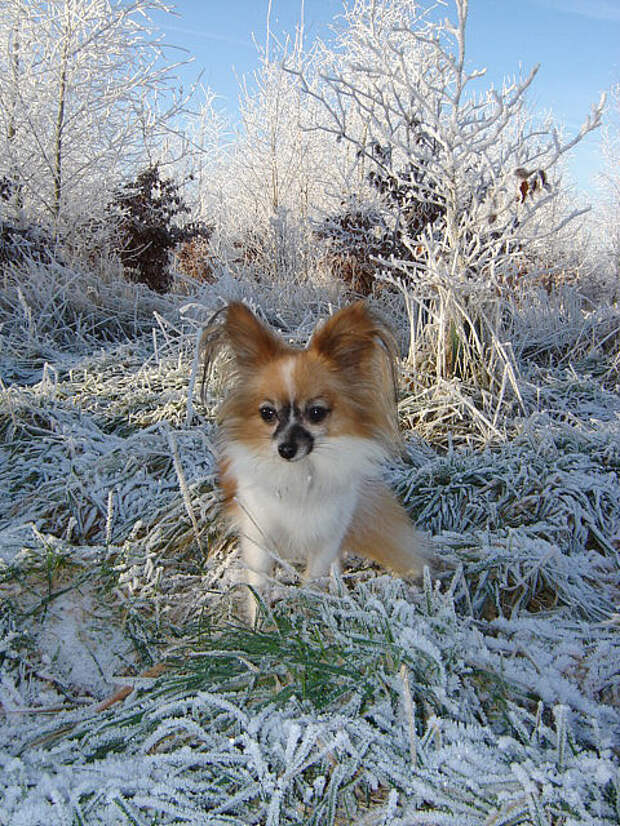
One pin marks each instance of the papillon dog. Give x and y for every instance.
(304, 436)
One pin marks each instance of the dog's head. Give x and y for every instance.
(289, 401)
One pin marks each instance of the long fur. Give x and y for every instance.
(303, 436)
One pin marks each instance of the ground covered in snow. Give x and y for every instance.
(131, 692)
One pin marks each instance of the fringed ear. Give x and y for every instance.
(252, 343)
(364, 349)
(247, 340)
(353, 338)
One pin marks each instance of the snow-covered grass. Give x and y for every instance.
(488, 697)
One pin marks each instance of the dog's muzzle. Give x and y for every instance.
(294, 443)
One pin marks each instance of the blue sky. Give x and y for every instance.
(577, 43)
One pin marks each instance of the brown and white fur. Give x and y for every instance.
(304, 434)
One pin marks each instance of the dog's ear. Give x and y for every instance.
(353, 338)
(251, 342)
(363, 349)
(235, 332)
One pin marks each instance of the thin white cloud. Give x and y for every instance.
(594, 9)
(218, 38)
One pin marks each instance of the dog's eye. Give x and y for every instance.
(316, 413)
(267, 413)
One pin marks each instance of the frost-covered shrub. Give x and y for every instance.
(361, 235)
(355, 237)
(468, 181)
(195, 259)
(20, 242)
(145, 215)
(30, 243)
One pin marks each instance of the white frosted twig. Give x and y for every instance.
(192, 382)
(109, 517)
(187, 501)
(410, 712)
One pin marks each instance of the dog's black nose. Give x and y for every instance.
(287, 450)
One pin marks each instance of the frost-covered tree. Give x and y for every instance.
(609, 206)
(278, 176)
(84, 93)
(195, 151)
(469, 179)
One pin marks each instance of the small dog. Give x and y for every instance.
(304, 435)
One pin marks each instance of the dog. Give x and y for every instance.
(304, 435)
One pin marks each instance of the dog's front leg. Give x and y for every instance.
(320, 564)
(258, 564)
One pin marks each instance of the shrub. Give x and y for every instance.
(20, 242)
(361, 235)
(145, 212)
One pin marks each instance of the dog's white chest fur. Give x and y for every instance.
(297, 527)
(300, 509)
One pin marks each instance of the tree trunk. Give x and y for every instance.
(60, 116)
